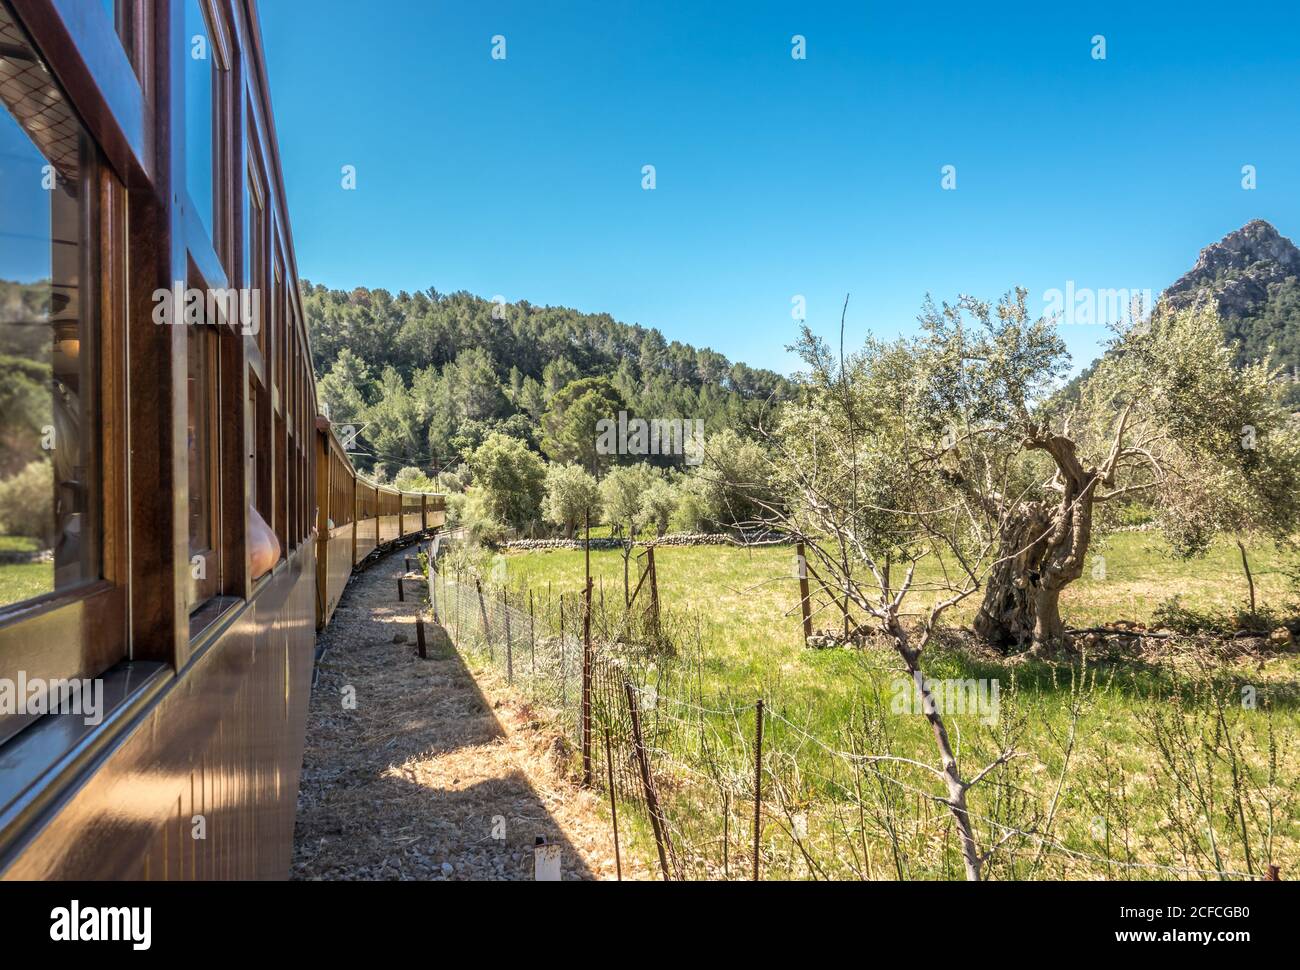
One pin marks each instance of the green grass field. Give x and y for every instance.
(21, 581)
(1119, 758)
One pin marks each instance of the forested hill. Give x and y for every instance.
(429, 375)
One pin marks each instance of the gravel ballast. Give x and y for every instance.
(431, 774)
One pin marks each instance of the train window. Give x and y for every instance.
(202, 438)
(294, 496)
(260, 446)
(250, 437)
(205, 70)
(49, 491)
(278, 353)
(281, 483)
(308, 452)
(255, 233)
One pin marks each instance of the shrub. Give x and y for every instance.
(27, 502)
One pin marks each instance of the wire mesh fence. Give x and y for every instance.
(725, 788)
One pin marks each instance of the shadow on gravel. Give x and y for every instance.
(387, 736)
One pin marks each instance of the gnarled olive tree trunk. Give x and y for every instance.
(1042, 550)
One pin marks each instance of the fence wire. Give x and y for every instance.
(804, 807)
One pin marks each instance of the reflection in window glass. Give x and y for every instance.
(255, 248)
(47, 388)
(249, 231)
(199, 438)
(200, 72)
(119, 15)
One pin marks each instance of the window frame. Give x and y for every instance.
(83, 630)
(200, 590)
(218, 245)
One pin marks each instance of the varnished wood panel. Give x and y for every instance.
(337, 557)
(212, 745)
(224, 742)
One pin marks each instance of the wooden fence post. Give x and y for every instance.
(654, 591)
(804, 605)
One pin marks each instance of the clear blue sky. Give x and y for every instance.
(776, 176)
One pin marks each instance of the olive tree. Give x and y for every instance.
(622, 496)
(885, 526)
(921, 472)
(660, 502)
(510, 477)
(571, 494)
(732, 477)
(1165, 416)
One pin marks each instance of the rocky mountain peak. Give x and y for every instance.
(1238, 271)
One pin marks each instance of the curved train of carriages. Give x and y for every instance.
(152, 170)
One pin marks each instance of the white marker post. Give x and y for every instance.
(546, 861)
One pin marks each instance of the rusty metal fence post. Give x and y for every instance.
(510, 656)
(482, 609)
(652, 800)
(654, 591)
(726, 836)
(564, 660)
(758, 779)
(432, 577)
(586, 664)
(613, 805)
(532, 638)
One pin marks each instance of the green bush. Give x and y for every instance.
(27, 502)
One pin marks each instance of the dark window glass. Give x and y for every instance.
(204, 481)
(48, 493)
(199, 439)
(251, 226)
(250, 436)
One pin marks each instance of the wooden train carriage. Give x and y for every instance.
(413, 517)
(349, 519)
(336, 525)
(366, 536)
(139, 168)
(390, 515)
